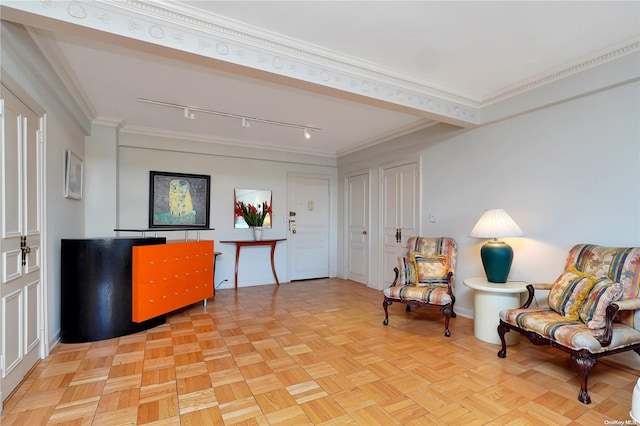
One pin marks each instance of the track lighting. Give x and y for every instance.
(245, 120)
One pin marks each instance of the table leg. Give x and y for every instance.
(273, 266)
(237, 259)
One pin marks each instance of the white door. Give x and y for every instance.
(308, 227)
(20, 243)
(400, 213)
(357, 201)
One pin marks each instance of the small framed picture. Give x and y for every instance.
(178, 200)
(73, 167)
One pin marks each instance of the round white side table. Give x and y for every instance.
(488, 301)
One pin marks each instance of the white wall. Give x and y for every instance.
(229, 168)
(100, 177)
(567, 174)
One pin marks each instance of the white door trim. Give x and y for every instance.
(45, 345)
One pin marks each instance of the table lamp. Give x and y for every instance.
(496, 255)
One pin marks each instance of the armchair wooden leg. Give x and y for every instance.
(584, 365)
(502, 330)
(385, 304)
(453, 302)
(446, 310)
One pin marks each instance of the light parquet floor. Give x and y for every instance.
(309, 353)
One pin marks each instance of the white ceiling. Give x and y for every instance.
(458, 56)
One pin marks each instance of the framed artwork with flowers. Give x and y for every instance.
(252, 208)
(179, 200)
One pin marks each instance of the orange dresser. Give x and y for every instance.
(170, 276)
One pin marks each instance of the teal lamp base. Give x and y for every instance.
(496, 259)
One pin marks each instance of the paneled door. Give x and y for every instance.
(21, 242)
(308, 227)
(357, 202)
(400, 198)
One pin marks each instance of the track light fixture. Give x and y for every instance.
(245, 120)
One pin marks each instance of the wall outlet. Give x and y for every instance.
(432, 218)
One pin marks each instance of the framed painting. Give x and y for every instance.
(73, 170)
(178, 200)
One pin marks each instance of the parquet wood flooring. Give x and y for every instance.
(310, 353)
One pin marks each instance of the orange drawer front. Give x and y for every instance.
(170, 276)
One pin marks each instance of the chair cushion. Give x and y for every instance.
(430, 270)
(433, 294)
(407, 271)
(572, 334)
(593, 310)
(569, 292)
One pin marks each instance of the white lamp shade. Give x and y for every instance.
(496, 223)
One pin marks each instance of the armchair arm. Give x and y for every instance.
(395, 280)
(612, 311)
(450, 283)
(531, 289)
(542, 286)
(605, 338)
(628, 304)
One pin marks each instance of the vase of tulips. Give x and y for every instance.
(253, 216)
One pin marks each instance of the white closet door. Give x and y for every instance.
(357, 261)
(20, 242)
(400, 187)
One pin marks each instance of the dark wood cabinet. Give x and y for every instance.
(96, 276)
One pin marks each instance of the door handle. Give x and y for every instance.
(24, 249)
(364, 232)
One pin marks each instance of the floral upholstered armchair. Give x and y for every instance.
(425, 277)
(593, 308)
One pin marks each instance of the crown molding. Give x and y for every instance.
(116, 123)
(155, 132)
(178, 26)
(239, 144)
(396, 133)
(54, 55)
(164, 24)
(615, 52)
(26, 62)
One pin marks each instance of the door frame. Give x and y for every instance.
(345, 212)
(44, 346)
(332, 218)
